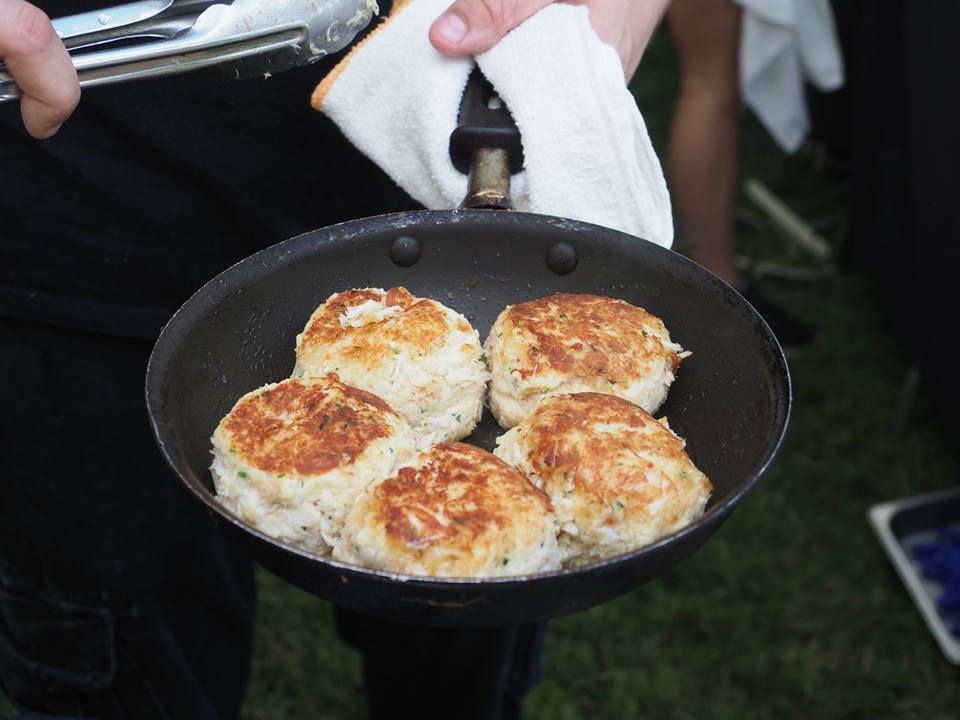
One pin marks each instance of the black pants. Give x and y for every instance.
(441, 673)
(120, 598)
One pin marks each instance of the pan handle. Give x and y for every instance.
(486, 146)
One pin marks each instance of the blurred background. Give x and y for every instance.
(792, 610)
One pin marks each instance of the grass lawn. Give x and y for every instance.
(792, 610)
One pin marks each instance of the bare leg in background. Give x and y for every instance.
(702, 152)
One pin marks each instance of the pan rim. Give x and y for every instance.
(214, 290)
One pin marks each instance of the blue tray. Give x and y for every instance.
(902, 524)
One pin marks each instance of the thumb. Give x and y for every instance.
(469, 27)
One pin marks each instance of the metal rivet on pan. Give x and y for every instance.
(562, 258)
(405, 251)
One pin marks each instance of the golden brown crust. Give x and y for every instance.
(452, 501)
(420, 356)
(420, 327)
(308, 426)
(610, 455)
(399, 296)
(588, 336)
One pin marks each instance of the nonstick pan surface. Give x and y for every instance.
(731, 401)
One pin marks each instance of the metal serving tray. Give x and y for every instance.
(902, 524)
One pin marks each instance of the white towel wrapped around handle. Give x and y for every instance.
(587, 154)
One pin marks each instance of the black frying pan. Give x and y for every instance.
(731, 400)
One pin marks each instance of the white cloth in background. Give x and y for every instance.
(782, 44)
(586, 149)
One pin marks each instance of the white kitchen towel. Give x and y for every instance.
(784, 43)
(587, 154)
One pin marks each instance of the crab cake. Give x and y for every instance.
(618, 479)
(577, 343)
(291, 457)
(418, 355)
(456, 511)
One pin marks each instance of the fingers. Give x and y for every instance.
(41, 66)
(469, 27)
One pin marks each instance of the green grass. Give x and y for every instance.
(301, 669)
(791, 611)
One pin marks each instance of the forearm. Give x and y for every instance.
(627, 25)
(646, 20)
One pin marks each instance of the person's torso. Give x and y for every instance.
(153, 187)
